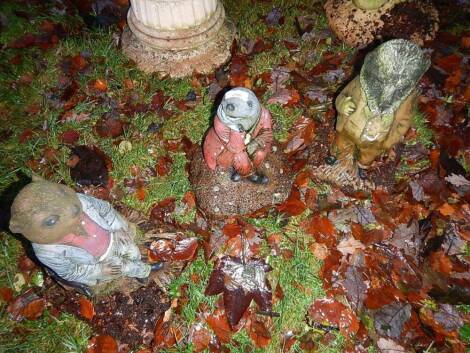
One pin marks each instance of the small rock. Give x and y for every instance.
(154, 127)
(191, 96)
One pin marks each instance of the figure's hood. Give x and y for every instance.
(390, 73)
(244, 112)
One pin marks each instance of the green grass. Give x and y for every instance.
(66, 333)
(424, 134)
(199, 270)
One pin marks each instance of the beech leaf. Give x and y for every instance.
(240, 283)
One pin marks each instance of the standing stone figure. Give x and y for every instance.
(241, 136)
(376, 108)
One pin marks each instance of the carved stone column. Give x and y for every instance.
(177, 36)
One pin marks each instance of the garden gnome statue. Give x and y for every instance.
(241, 136)
(376, 108)
(79, 238)
(360, 22)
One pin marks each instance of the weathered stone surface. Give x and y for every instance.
(408, 19)
(217, 196)
(177, 37)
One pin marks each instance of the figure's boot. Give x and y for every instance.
(258, 178)
(235, 177)
(156, 266)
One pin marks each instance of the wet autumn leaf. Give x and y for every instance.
(240, 283)
(173, 250)
(162, 212)
(322, 230)
(218, 322)
(293, 206)
(329, 312)
(285, 96)
(25, 264)
(87, 309)
(232, 230)
(102, 344)
(69, 137)
(166, 334)
(25, 135)
(355, 287)
(200, 337)
(390, 319)
(446, 320)
(440, 262)
(378, 297)
(99, 85)
(26, 306)
(109, 127)
(6, 294)
(301, 135)
(163, 166)
(258, 332)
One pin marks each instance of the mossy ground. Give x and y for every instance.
(66, 333)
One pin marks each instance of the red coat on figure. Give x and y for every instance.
(224, 147)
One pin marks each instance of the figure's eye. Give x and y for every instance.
(51, 221)
(230, 107)
(250, 104)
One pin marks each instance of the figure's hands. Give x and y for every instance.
(253, 146)
(347, 106)
(111, 269)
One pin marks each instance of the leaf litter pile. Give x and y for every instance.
(327, 270)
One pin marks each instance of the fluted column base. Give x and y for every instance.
(179, 52)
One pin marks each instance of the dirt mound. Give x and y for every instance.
(217, 196)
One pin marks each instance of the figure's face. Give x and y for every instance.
(45, 212)
(241, 109)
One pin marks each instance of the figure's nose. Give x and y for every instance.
(230, 107)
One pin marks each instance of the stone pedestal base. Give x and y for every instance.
(203, 58)
(217, 196)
